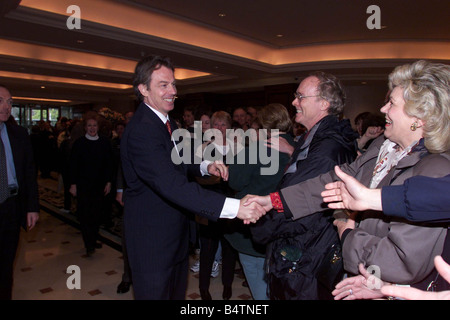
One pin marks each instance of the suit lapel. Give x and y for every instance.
(14, 142)
(156, 122)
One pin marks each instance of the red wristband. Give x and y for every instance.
(276, 201)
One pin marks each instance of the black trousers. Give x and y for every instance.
(9, 240)
(126, 276)
(170, 284)
(209, 236)
(67, 195)
(89, 210)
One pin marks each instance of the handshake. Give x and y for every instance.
(252, 208)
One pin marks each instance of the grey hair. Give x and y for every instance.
(330, 89)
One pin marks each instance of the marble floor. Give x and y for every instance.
(47, 253)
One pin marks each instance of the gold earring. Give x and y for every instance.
(413, 126)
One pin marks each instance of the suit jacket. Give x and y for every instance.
(418, 199)
(28, 196)
(159, 196)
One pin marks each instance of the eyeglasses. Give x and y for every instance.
(300, 97)
(9, 102)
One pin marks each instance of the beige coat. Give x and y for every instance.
(402, 250)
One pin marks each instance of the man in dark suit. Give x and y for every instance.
(19, 204)
(158, 192)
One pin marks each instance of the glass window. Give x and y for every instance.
(66, 112)
(53, 114)
(15, 112)
(36, 114)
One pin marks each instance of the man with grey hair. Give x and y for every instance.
(296, 248)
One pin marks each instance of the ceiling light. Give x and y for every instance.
(42, 78)
(40, 99)
(222, 15)
(279, 36)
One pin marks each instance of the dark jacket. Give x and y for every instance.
(156, 198)
(91, 164)
(306, 240)
(246, 178)
(419, 199)
(28, 198)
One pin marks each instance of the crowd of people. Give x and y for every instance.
(342, 202)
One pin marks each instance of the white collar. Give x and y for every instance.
(163, 118)
(91, 137)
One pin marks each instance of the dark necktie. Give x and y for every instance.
(4, 192)
(168, 127)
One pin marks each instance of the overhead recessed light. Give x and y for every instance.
(80, 41)
(279, 36)
(42, 87)
(222, 15)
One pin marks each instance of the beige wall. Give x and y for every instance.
(361, 98)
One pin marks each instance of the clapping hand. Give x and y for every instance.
(350, 194)
(218, 169)
(363, 286)
(410, 293)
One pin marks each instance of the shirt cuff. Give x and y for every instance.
(276, 202)
(230, 208)
(204, 167)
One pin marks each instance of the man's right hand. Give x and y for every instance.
(250, 213)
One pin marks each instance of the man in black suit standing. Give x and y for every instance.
(19, 203)
(158, 192)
